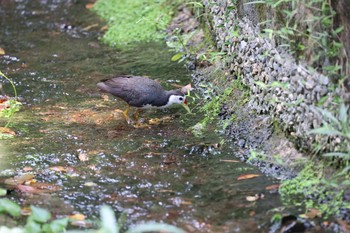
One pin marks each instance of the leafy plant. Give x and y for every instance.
(13, 105)
(40, 222)
(212, 107)
(311, 190)
(179, 43)
(12, 84)
(307, 29)
(336, 127)
(9, 207)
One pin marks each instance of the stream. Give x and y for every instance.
(74, 140)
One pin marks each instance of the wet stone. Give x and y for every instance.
(242, 45)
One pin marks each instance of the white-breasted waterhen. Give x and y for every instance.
(141, 92)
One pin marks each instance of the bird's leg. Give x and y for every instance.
(137, 115)
(138, 124)
(126, 115)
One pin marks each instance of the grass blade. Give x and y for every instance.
(326, 130)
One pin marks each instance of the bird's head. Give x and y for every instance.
(178, 97)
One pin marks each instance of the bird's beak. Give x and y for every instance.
(186, 106)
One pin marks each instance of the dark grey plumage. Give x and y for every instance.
(138, 91)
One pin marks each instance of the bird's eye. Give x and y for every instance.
(181, 98)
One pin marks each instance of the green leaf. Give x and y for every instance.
(121, 220)
(59, 225)
(32, 226)
(276, 218)
(56, 226)
(195, 4)
(254, 2)
(346, 183)
(261, 84)
(40, 215)
(347, 135)
(3, 192)
(4, 229)
(277, 3)
(109, 223)
(337, 154)
(177, 56)
(326, 130)
(10, 207)
(329, 116)
(186, 107)
(339, 29)
(343, 116)
(279, 84)
(157, 227)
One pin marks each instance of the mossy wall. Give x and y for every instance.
(282, 84)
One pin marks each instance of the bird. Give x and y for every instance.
(142, 93)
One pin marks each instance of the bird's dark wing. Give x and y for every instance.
(135, 90)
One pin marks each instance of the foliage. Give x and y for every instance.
(332, 126)
(40, 222)
(134, 21)
(307, 29)
(13, 106)
(181, 43)
(214, 104)
(9, 207)
(311, 190)
(3, 192)
(336, 126)
(12, 84)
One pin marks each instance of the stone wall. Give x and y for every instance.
(278, 85)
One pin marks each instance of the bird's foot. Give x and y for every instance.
(126, 116)
(139, 125)
(157, 121)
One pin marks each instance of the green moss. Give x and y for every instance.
(134, 20)
(220, 91)
(311, 190)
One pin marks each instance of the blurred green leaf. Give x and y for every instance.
(108, 221)
(4, 229)
(279, 84)
(343, 116)
(326, 130)
(337, 154)
(40, 215)
(329, 116)
(339, 29)
(186, 107)
(195, 4)
(56, 226)
(276, 218)
(10, 207)
(157, 227)
(177, 56)
(121, 220)
(3, 192)
(32, 226)
(261, 84)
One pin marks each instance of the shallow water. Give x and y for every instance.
(72, 137)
